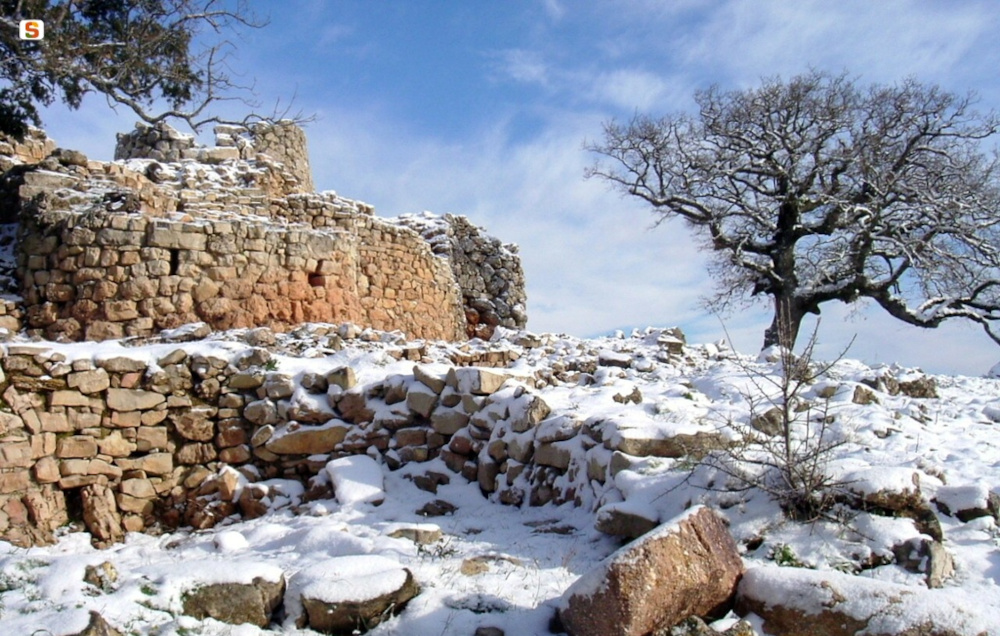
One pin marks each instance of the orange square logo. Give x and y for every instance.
(32, 30)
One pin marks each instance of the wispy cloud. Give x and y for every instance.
(522, 65)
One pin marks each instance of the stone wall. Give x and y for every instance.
(132, 247)
(283, 142)
(97, 277)
(131, 442)
(488, 271)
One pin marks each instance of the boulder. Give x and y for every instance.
(622, 519)
(344, 594)
(689, 566)
(802, 602)
(237, 603)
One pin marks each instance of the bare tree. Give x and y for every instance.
(787, 444)
(141, 54)
(816, 189)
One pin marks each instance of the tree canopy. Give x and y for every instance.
(818, 189)
(138, 53)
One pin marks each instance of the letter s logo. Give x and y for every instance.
(32, 30)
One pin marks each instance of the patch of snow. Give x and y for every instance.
(356, 479)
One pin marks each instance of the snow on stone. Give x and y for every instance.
(349, 579)
(356, 479)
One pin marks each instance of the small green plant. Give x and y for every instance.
(148, 589)
(271, 365)
(785, 556)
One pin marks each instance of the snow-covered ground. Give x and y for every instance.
(507, 567)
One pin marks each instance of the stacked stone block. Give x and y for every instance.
(489, 272)
(97, 277)
(110, 250)
(136, 442)
(160, 141)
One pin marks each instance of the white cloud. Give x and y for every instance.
(631, 89)
(554, 9)
(522, 66)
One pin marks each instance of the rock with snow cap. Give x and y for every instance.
(689, 566)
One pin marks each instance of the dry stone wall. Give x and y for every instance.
(175, 233)
(159, 437)
(488, 271)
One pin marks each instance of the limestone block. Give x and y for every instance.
(114, 445)
(149, 438)
(89, 381)
(100, 514)
(196, 453)
(46, 470)
(554, 454)
(448, 421)
(76, 446)
(155, 463)
(68, 398)
(15, 454)
(133, 399)
(421, 399)
(294, 439)
(799, 601)
(238, 603)
(140, 488)
(261, 412)
(341, 593)
(195, 424)
(14, 481)
(172, 237)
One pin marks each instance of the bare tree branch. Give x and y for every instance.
(815, 190)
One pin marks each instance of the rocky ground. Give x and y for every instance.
(641, 429)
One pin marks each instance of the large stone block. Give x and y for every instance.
(294, 439)
(802, 602)
(133, 399)
(689, 566)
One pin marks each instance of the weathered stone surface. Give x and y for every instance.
(16, 454)
(476, 380)
(343, 377)
(195, 424)
(431, 376)
(926, 556)
(553, 454)
(237, 603)
(690, 566)
(261, 412)
(696, 446)
(133, 399)
(353, 407)
(350, 593)
(448, 421)
(76, 446)
(803, 602)
(89, 382)
(100, 514)
(98, 627)
(421, 400)
(624, 520)
(295, 439)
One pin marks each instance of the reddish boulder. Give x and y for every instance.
(689, 566)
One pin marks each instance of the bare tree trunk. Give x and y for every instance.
(784, 329)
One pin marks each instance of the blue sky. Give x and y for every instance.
(482, 108)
